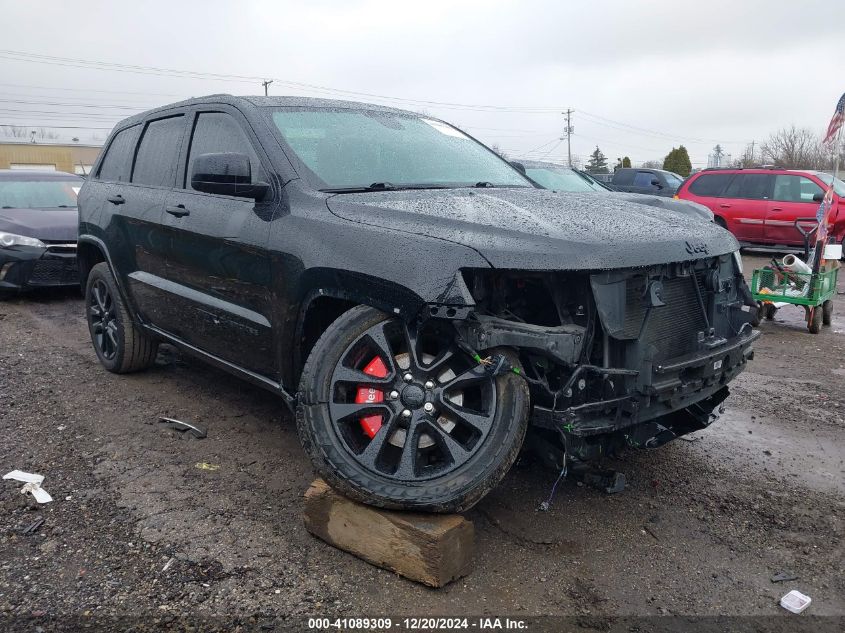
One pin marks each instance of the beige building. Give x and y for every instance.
(74, 158)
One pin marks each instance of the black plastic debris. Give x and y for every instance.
(178, 425)
(32, 528)
(784, 576)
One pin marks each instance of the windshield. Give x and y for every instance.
(673, 179)
(349, 149)
(838, 185)
(33, 194)
(561, 179)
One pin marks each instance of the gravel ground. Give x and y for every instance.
(150, 522)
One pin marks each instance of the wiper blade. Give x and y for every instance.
(382, 186)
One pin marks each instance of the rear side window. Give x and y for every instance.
(795, 189)
(750, 186)
(116, 162)
(155, 161)
(219, 132)
(711, 185)
(643, 179)
(623, 177)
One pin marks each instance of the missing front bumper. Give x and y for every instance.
(680, 396)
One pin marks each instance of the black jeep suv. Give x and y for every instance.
(410, 295)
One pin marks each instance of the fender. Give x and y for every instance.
(118, 280)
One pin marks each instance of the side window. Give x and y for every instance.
(795, 189)
(643, 179)
(750, 186)
(220, 132)
(117, 161)
(623, 177)
(711, 185)
(155, 161)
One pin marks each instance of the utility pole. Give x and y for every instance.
(266, 83)
(568, 131)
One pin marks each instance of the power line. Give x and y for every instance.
(22, 56)
(58, 127)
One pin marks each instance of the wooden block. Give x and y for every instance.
(433, 549)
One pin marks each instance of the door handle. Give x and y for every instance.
(725, 206)
(777, 208)
(179, 210)
(118, 199)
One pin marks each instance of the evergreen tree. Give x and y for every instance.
(682, 162)
(626, 162)
(678, 161)
(597, 163)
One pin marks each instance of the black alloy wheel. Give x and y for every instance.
(395, 414)
(103, 320)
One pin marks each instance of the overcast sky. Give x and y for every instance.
(640, 76)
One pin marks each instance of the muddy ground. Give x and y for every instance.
(700, 530)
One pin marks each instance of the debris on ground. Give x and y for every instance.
(32, 483)
(795, 601)
(179, 425)
(32, 528)
(206, 466)
(784, 576)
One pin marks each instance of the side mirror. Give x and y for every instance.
(818, 197)
(519, 167)
(226, 174)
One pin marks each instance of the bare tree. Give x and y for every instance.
(652, 164)
(748, 158)
(45, 134)
(495, 147)
(14, 131)
(19, 131)
(794, 148)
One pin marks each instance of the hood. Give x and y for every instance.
(537, 229)
(54, 225)
(684, 206)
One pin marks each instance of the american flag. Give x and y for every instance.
(835, 123)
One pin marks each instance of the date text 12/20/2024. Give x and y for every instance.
(416, 624)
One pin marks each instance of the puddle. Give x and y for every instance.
(816, 460)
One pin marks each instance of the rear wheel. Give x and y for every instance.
(827, 312)
(395, 415)
(119, 344)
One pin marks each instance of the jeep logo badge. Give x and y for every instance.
(697, 247)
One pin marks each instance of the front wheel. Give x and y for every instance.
(397, 416)
(814, 320)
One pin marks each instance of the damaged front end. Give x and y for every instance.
(630, 357)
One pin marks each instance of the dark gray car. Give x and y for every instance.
(564, 179)
(656, 182)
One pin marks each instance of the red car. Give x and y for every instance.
(760, 206)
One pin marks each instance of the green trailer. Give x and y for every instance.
(772, 287)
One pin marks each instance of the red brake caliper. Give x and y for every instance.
(366, 395)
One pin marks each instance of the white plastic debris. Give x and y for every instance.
(32, 483)
(795, 601)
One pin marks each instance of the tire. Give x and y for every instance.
(446, 486)
(814, 323)
(770, 311)
(120, 345)
(827, 312)
(757, 315)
